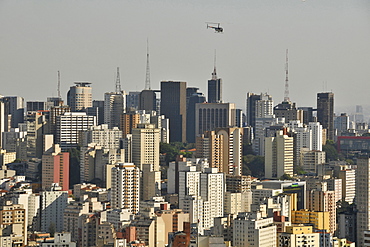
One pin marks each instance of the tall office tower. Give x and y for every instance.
(232, 150)
(278, 155)
(145, 145)
(79, 97)
(102, 136)
(325, 112)
(148, 100)
(341, 123)
(55, 168)
(36, 128)
(36, 105)
(362, 199)
(114, 107)
(68, 128)
(258, 106)
(250, 229)
(209, 116)
(132, 101)
(97, 110)
(173, 106)
(209, 146)
(316, 130)
(307, 114)
(15, 105)
(15, 141)
(13, 226)
(323, 200)
(125, 187)
(193, 97)
(288, 110)
(239, 122)
(129, 121)
(53, 203)
(215, 88)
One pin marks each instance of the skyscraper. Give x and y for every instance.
(79, 97)
(148, 100)
(114, 107)
(325, 112)
(15, 108)
(193, 98)
(362, 198)
(214, 88)
(173, 106)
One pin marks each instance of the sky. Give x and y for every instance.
(86, 40)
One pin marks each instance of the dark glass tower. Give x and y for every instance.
(173, 106)
(214, 88)
(325, 113)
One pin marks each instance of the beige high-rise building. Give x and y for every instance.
(298, 236)
(278, 155)
(310, 159)
(323, 200)
(348, 177)
(232, 150)
(145, 145)
(363, 199)
(13, 224)
(128, 122)
(209, 146)
(79, 97)
(250, 229)
(125, 187)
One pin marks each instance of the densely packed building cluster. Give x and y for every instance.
(95, 173)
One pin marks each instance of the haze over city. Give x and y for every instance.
(87, 40)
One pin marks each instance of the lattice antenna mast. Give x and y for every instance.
(118, 82)
(58, 88)
(147, 77)
(214, 74)
(286, 93)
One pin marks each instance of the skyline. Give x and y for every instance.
(88, 40)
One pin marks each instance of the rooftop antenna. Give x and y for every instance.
(214, 74)
(147, 78)
(286, 92)
(58, 89)
(118, 82)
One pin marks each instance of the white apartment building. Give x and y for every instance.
(79, 97)
(52, 205)
(102, 135)
(125, 184)
(250, 229)
(68, 128)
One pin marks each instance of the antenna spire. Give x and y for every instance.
(58, 88)
(286, 93)
(147, 78)
(118, 82)
(214, 74)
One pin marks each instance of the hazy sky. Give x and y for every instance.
(328, 42)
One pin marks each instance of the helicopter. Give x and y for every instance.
(217, 28)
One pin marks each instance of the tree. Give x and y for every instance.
(254, 165)
(286, 177)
